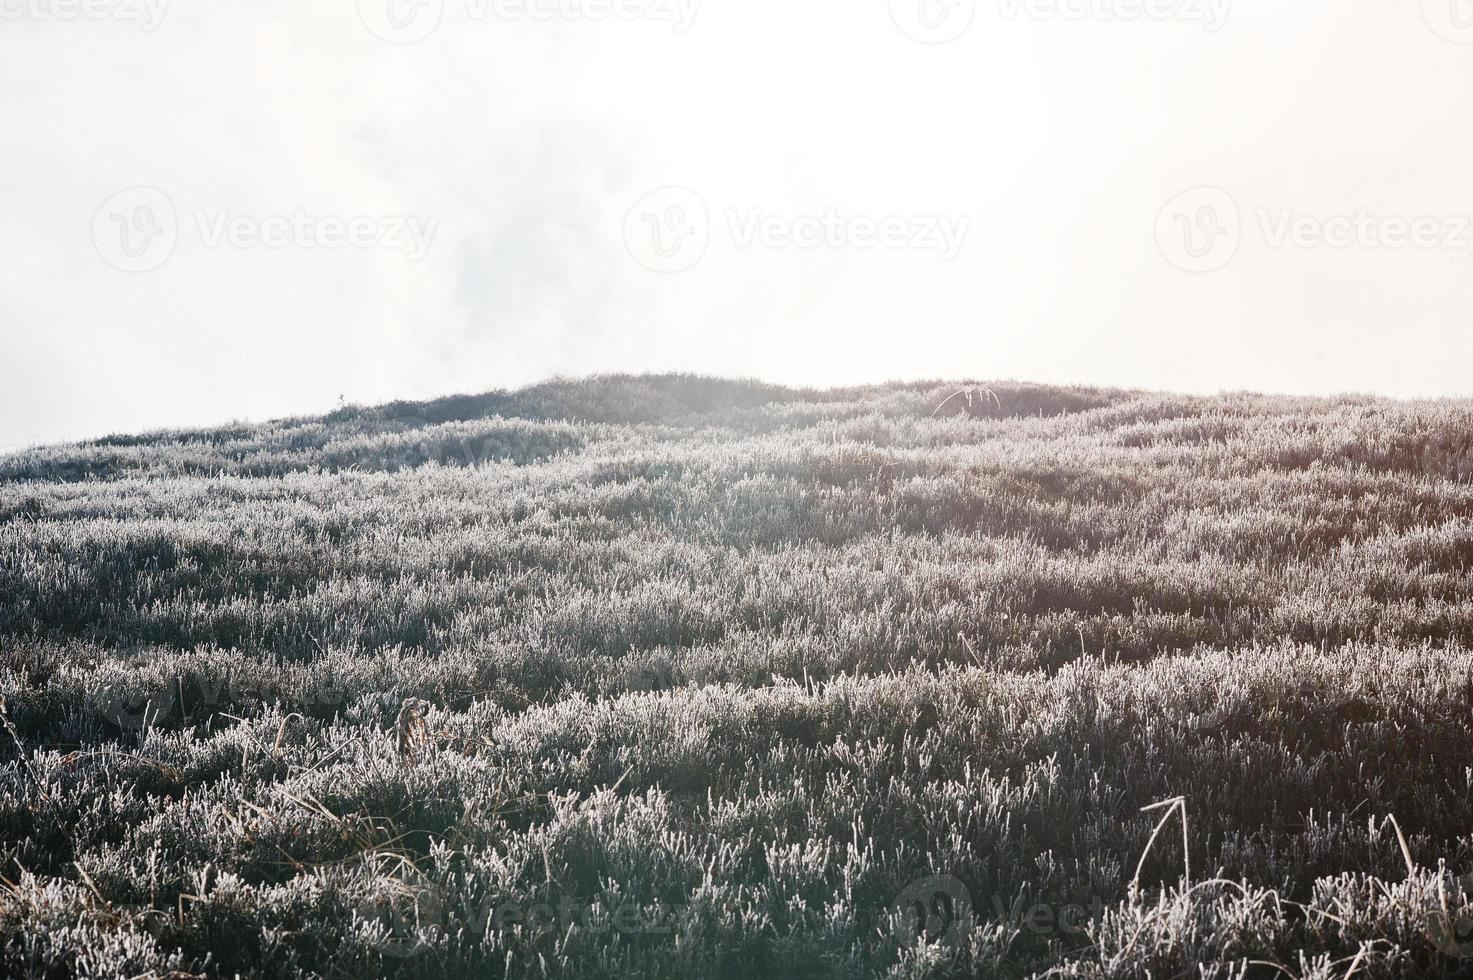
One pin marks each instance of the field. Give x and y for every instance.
(678, 678)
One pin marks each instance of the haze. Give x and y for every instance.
(217, 210)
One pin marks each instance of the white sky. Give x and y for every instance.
(1058, 136)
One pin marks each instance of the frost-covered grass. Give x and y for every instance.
(672, 677)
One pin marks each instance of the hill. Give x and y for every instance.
(678, 677)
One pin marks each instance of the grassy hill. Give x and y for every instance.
(675, 677)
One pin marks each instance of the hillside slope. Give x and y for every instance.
(677, 677)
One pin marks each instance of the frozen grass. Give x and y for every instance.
(671, 677)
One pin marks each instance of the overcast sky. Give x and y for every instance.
(215, 210)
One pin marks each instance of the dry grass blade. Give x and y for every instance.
(20, 752)
(1401, 840)
(968, 393)
(1171, 806)
(412, 732)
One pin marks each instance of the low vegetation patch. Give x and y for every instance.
(671, 677)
